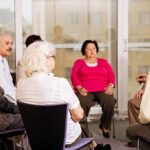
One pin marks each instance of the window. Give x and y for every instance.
(71, 18)
(144, 18)
(94, 18)
(7, 24)
(143, 69)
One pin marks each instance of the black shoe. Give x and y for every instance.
(98, 147)
(107, 147)
(131, 144)
(100, 126)
(102, 147)
(106, 134)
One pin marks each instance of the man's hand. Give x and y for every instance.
(139, 94)
(141, 78)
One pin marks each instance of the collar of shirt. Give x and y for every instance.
(1, 58)
(38, 73)
(51, 74)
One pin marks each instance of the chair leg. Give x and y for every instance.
(6, 144)
(25, 143)
(2, 144)
(21, 142)
(113, 119)
(138, 143)
(14, 143)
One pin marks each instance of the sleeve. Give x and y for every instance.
(2, 81)
(111, 74)
(7, 75)
(19, 71)
(75, 73)
(7, 106)
(69, 95)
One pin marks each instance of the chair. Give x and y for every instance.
(113, 122)
(46, 125)
(142, 139)
(4, 135)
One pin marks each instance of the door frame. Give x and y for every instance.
(122, 56)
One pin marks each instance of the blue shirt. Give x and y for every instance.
(6, 81)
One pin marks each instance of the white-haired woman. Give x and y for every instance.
(38, 63)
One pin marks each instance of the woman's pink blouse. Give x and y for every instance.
(92, 78)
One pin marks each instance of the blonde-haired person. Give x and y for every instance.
(38, 63)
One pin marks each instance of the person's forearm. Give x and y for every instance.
(77, 114)
(79, 88)
(143, 86)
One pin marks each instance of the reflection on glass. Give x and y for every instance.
(61, 37)
(68, 23)
(139, 21)
(7, 24)
(27, 18)
(139, 42)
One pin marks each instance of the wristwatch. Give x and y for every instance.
(111, 85)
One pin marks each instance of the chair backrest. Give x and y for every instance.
(12, 132)
(45, 125)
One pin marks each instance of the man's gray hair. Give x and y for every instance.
(35, 57)
(3, 32)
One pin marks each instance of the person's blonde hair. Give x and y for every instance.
(35, 57)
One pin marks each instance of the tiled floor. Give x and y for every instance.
(118, 143)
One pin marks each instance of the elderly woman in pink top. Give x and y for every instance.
(93, 80)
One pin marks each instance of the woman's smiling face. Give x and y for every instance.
(90, 50)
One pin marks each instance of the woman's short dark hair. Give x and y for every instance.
(31, 39)
(85, 44)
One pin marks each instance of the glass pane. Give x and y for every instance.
(7, 24)
(139, 42)
(27, 18)
(67, 23)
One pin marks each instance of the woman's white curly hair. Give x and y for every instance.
(35, 57)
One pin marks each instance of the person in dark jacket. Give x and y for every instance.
(9, 114)
(10, 117)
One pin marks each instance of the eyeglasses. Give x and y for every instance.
(51, 57)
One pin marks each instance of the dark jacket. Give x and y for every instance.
(5, 105)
